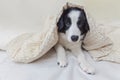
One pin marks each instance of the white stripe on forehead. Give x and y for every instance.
(73, 29)
(74, 15)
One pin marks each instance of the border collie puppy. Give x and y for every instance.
(72, 28)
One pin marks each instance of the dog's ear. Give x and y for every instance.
(60, 24)
(86, 24)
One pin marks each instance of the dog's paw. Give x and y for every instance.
(62, 64)
(88, 69)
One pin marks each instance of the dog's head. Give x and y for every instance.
(73, 23)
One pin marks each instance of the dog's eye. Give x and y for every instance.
(67, 22)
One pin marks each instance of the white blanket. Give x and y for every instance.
(46, 68)
(113, 32)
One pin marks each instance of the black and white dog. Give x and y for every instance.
(72, 28)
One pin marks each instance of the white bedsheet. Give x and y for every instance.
(46, 69)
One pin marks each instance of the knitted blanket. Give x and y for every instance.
(31, 46)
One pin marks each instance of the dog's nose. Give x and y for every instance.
(74, 38)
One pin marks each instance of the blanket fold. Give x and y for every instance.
(31, 46)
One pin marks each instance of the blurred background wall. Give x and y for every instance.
(104, 10)
(30, 14)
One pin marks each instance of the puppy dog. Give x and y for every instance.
(72, 28)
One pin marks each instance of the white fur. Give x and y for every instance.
(65, 42)
(73, 30)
